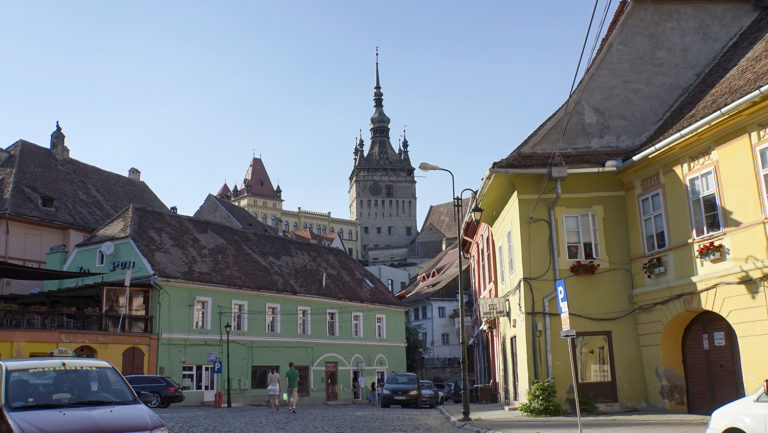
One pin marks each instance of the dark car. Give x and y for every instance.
(163, 389)
(68, 395)
(401, 389)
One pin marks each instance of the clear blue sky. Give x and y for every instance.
(188, 91)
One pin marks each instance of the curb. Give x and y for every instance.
(463, 425)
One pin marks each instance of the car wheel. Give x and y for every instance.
(156, 401)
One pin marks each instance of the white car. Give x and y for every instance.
(745, 415)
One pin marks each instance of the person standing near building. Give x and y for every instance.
(355, 386)
(292, 385)
(273, 389)
(361, 385)
(372, 394)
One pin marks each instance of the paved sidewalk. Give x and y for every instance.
(492, 418)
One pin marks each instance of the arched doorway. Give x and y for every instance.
(85, 352)
(712, 363)
(133, 361)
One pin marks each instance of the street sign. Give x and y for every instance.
(211, 357)
(562, 305)
(217, 367)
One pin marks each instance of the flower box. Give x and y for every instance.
(92, 312)
(584, 268)
(653, 266)
(37, 309)
(9, 307)
(710, 251)
(68, 311)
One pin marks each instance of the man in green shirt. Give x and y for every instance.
(292, 384)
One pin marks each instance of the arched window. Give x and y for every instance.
(331, 229)
(349, 234)
(264, 219)
(305, 225)
(324, 230)
(310, 227)
(341, 234)
(286, 226)
(295, 226)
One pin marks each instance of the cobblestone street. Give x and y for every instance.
(308, 419)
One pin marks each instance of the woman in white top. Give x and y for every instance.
(273, 389)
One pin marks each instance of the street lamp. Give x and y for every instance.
(228, 328)
(476, 211)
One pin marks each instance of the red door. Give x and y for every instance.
(712, 363)
(331, 382)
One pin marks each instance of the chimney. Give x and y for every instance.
(60, 151)
(134, 174)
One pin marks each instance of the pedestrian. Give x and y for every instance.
(292, 384)
(372, 394)
(355, 386)
(361, 385)
(273, 389)
(379, 390)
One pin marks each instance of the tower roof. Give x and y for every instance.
(257, 182)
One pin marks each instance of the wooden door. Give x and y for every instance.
(515, 385)
(133, 361)
(303, 380)
(331, 382)
(712, 363)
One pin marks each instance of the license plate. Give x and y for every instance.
(400, 398)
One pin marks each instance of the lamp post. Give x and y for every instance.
(462, 329)
(228, 328)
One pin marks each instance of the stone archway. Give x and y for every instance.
(712, 363)
(85, 352)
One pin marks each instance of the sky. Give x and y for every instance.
(189, 91)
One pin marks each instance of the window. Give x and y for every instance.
(325, 230)
(390, 284)
(305, 225)
(197, 377)
(402, 285)
(416, 313)
(652, 213)
(595, 373)
(99, 257)
(441, 312)
(388, 191)
(303, 327)
(509, 253)
(332, 230)
(581, 236)
(423, 311)
(287, 226)
(378, 230)
(381, 326)
(202, 313)
(407, 231)
(705, 209)
(273, 318)
(445, 338)
(239, 316)
(46, 202)
(332, 322)
(259, 375)
(423, 337)
(357, 324)
(389, 230)
(365, 229)
(309, 227)
(264, 218)
(500, 259)
(762, 156)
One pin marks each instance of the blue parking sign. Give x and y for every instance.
(217, 367)
(562, 299)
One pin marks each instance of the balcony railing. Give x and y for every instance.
(77, 321)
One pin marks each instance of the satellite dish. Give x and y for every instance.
(108, 248)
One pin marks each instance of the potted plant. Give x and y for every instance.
(92, 311)
(710, 251)
(37, 308)
(8, 306)
(67, 309)
(653, 266)
(584, 268)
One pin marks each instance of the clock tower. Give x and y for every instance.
(382, 191)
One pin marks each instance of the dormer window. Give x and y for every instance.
(46, 202)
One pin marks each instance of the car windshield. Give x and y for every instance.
(65, 386)
(402, 379)
(425, 384)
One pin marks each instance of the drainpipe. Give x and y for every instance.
(555, 270)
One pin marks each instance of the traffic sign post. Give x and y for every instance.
(568, 334)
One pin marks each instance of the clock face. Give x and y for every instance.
(375, 189)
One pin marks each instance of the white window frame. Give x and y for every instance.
(189, 380)
(332, 331)
(100, 257)
(445, 338)
(441, 312)
(381, 326)
(307, 328)
(652, 217)
(206, 319)
(510, 257)
(357, 324)
(243, 313)
(275, 316)
(500, 260)
(592, 231)
(762, 169)
(700, 206)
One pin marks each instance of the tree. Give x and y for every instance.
(415, 347)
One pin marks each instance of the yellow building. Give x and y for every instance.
(645, 193)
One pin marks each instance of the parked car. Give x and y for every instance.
(68, 395)
(746, 415)
(446, 389)
(430, 397)
(163, 389)
(401, 389)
